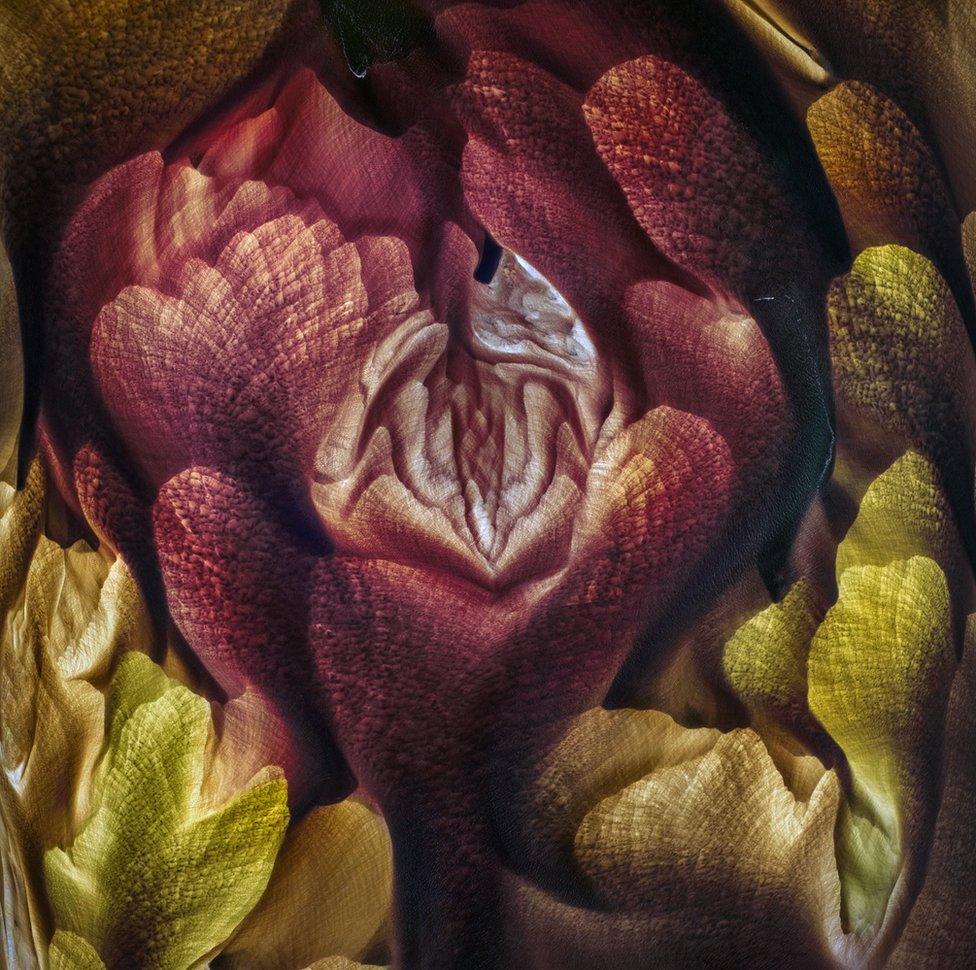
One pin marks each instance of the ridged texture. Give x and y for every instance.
(887, 179)
(647, 810)
(154, 65)
(900, 352)
(157, 876)
(330, 892)
(879, 671)
(694, 180)
(765, 660)
(289, 296)
(226, 338)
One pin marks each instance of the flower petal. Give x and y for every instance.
(329, 895)
(879, 672)
(887, 179)
(931, 936)
(11, 374)
(649, 809)
(903, 363)
(765, 660)
(695, 182)
(72, 952)
(156, 68)
(152, 857)
(235, 586)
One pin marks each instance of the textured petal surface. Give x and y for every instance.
(72, 952)
(879, 673)
(329, 894)
(887, 179)
(917, 53)
(156, 877)
(12, 374)
(647, 808)
(765, 661)
(264, 434)
(66, 612)
(693, 179)
(932, 936)
(156, 64)
(901, 357)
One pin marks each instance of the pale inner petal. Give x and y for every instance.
(468, 443)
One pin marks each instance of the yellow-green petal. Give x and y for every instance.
(879, 669)
(765, 660)
(903, 513)
(156, 878)
(70, 952)
(899, 350)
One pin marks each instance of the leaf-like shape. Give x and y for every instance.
(879, 671)
(157, 877)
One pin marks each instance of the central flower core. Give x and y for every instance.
(470, 440)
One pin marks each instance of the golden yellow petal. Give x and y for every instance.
(919, 53)
(77, 612)
(329, 895)
(676, 827)
(884, 175)
(11, 373)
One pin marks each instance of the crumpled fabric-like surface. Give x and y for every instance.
(613, 612)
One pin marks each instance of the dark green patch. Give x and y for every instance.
(373, 31)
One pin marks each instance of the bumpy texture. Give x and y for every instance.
(277, 358)
(157, 876)
(540, 561)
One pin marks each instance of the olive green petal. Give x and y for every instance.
(156, 878)
(765, 660)
(900, 353)
(879, 671)
(70, 952)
